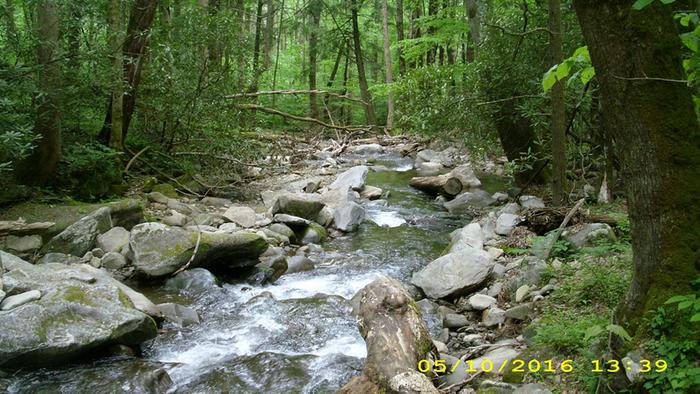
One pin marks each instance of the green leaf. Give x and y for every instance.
(695, 317)
(668, 1)
(549, 79)
(619, 331)
(593, 331)
(685, 304)
(677, 298)
(640, 4)
(690, 40)
(587, 74)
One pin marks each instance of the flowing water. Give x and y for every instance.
(296, 336)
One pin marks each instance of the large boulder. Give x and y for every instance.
(455, 273)
(160, 250)
(354, 178)
(470, 236)
(304, 205)
(113, 240)
(334, 198)
(80, 308)
(396, 339)
(78, 238)
(465, 174)
(468, 201)
(348, 216)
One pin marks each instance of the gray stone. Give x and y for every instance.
(280, 239)
(179, 314)
(59, 258)
(158, 197)
(209, 219)
(468, 201)
(325, 217)
(98, 252)
(495, 289)
(193, 282)
(506, 222)
(493, 317)
(480, 302)
(229, 228)
(354, 178)
(314, 234)
(469, 236)
(371, 192)
(367, 149)
(522, 292)
(175, 219)
(454, 321)
(335, 198)
(529, 202)
(429, 168)
(23, 245)
(520, 312)
(455, 273)
(304, 205)
(244, 216)
(466, 175)
(299, 264)
(588, 234)
(283, 229)
(290, 220)
(216, 202)
(500, 197)
(512, 208)
(348, 217)
(18, 300)
(269, 270)
(78, 238)
(72, 317)
(113, 240)
(179, 207)
(113, 261)
(498, 356)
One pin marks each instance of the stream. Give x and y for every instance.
(296, 336)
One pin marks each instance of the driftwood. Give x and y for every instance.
(19, 227)
(544, 220)
(445, 185)
(397, 339)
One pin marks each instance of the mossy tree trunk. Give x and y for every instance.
(655, 128)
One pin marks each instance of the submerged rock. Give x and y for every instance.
(193, 281)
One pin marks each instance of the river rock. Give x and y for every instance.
(175, 219)
(193, 282)
(396, 339)
(181, 315)
(520, 312)
(23, 245)
(588, 234)
(158, 197)
(506, 222)
(113, 240)
(367, 149)
(298, 264)
(304, 205)
(216, 202)
(314, 234)
(15, 301)
(454, 321)
(455, 273)
(229, 228)
(113, 261)
(466, 175)
(335, 198)
(429, 168)
(283, 229)
(522, 292)
(348, 217)
(290, 220)
(353, 178)
(80, 309)
(479, 302)
(269, 270)
(470, 236)
(493, 317)
(78, 238)
(244, 216)
(160, 250)
(325, 217)
(528, 202)
(468, 201)
(371, 192)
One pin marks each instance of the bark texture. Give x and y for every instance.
(558, 120)
(653, 123)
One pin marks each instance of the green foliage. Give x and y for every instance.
(580, 60)
(566, 330)
(16, 130)
(641, 4)
(689, 302)
(88, 171)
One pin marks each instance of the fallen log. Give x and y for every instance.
(397, 339)
(544, 220)
(21, 228)
(445, 185)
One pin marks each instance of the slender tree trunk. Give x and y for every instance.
(361, 76)
(432, 12)
(47, 154)
(400, 36)
(654, 124)
(334, 73)
(269, 32)
(558, 120)
(387, 65)
(345, 109)
(473, 16)
(315, 14)
(11, 27)
(416, 13)
(277, 55)
(117, 102)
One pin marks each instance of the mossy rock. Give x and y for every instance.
(165, 189)
(148, 184)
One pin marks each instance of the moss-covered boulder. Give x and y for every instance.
(159, 250)
(166, 189)
(80, 309)
(78, 238)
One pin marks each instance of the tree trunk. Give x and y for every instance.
(655, 125)
(445, 185)
(387, 65)
(117, 101)
(277, 53)
(269, 32)
(558, 124)
(432, 12)
(416, 13)
(364, 89)
(473, 15)
(334, 73)
(47, 154)
(315, 7)
(11, 27)
(400, 36)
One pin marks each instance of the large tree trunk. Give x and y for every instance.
(387, 65)
(558, 108)
(117, 102)
(135, 47)
(400, 35)
(361, 76)
(654, 124)
(315, 7)
(45, 158)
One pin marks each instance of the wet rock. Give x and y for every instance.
(454, 274)
(520, 312)
(243, 216)
(71, 317)
(468, 201)
(78, 238)
(216, 202)
(588, 234)
(348, 217)
(314, 234)
(493, 317)
(480, 302)
(18, 300)
(466, 175)
(302, 205)
(500, 197)
(429, 312)
(529, 202)
(506, 222)
(299, 264)
(268, 271)
(396, 340)
(160, 250)
(353, 178)
(454, 321)
(175, 219)
(193, 281)
(179, 314)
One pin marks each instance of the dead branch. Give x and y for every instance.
(302, 118)
(128, 165)
(520, 34)
(293, 91)
(220, 157)
(558, 231)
